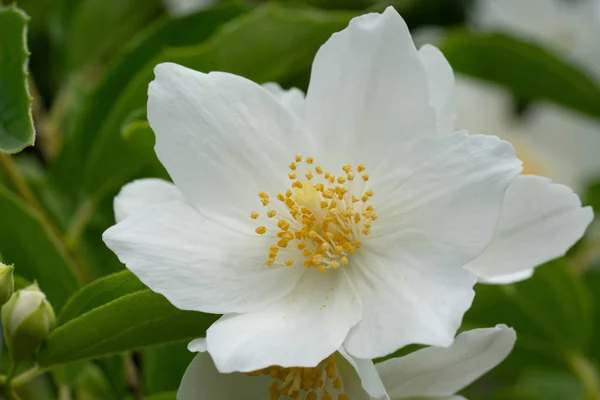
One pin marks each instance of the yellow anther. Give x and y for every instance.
(361, 168)
(292, 175)
(332, 179)
(301, 246)
(273, 248)
(324, 204)
(322, 268)
(270, 261)
(283, 225)
(271, 213)
(297, 184)
(317, 258)
(347, 168)
(288, 193)
(328, 193)
(350, 176)
(327, 175)
(341, 180)
(337, 383)
(364, 198)
(310, 160)
(307, 253)
(283, 243)
(312, 234)
(254, 215)
(369, 193)
(309, 175)
(326, 396)
(365, 177)
(280, 197)
(339, 248)
(298, 157)
(366, 231)
(288, 263)
(292, 166)
(261, 230)
(335, 264)
(325, 246)
(263, 195)
(344, 260)
(318, 170)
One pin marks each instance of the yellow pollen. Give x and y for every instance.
(321, 217)
(365, 177)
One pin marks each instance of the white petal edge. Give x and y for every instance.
(292, 98)
(202, 381)
(368, 88)
(370, 382)
(223, 139)
(438, 371)
(198, 264)
(510, 278)
(138, 195)
(540, 221)
(299, 330)
(440, 79)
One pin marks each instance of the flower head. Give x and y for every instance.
(309, 223)
(431, 373)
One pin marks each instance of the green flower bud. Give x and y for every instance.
(7, 283)
(27, 319)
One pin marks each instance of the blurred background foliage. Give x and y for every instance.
(90, 64)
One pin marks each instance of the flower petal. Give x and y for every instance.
(368, 378)
(438, 209)
(198, 264)
(143, 193)
(197, 345)
(292, 99)
(222, 138)
(437, 371)
(202, 381)
(510, 278)
(540, 221)
(405, 303)
(440, 79)
(368, 88)
(301, 329)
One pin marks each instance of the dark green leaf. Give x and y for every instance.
(163, 366)
(98, 293)
(133, 321)
(528, 70)
(27, 242)
(16, 124)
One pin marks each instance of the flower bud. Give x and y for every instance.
(27, 319)
(7, 283)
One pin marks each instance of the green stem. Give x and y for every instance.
(28, 375)
(82, 216)
(586, 374)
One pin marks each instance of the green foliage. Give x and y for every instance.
(527, 69)
(120, 316)
(16, 124)
(164, 366)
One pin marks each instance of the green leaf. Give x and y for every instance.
(552, 312)
(163, 366)
(67, 171)
(135, 320)
(98, 293)
(16, 123)
(527, 69)
(98, 30)
(269, 44)
(28, 243)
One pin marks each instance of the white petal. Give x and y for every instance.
(143, 193)
(510, 278)
(198, 264)
(438, 209)
(368, 89)
(222, 138)
(438, 371)
(301, 329)
(360, 376)
(186, 7)
(197, 345)
(292, 99)
(565, 140)
(404, 303)
(540, 221)
(202, 381)
(440, 79)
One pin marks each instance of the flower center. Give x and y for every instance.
(320, 217)
(319, 383)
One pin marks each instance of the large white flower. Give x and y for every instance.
(432, 373)
(345, 221)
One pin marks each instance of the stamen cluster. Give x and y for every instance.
(320, 218)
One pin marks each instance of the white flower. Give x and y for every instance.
(540, 220)
(301, 264)
(431, 373)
